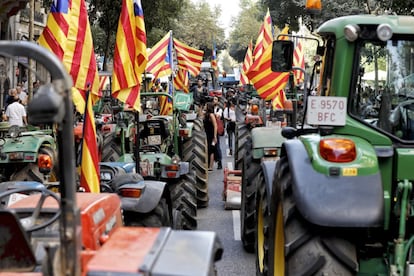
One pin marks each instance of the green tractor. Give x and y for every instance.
(339, 200)
(28, 154)
(172, 149)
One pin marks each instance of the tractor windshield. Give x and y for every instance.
(384, 87)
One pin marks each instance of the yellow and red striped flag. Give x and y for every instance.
(188, 58)
(166, 105)
(283, 33)
(68, 35)
(181, 81)
(265, 37)
(55, 33)
(159, 59)
(89, 175)
(299, 61)
(130, 56)
(248, 61)
(269, 84)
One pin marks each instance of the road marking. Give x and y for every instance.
(236, 225)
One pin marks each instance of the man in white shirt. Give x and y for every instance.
(16, 114)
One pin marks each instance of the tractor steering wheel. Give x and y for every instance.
(29, 223)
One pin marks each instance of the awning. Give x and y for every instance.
(9, 8)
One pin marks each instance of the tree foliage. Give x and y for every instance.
(246, 28)
(198, 27)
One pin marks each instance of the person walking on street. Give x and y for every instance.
(218, 112)
(210, 126)
(230, 117)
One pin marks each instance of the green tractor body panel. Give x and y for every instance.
(364, 164)
(266, 138)
(28, 144)
(404, 163)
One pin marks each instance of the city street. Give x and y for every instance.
(226, 223)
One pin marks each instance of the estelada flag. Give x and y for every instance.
(68, 35)
(159, 59)
(130, 56)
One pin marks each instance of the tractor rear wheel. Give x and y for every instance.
(158, 217)
(298, 247)
(111, 149)
(242, 135)
(251, 169)
(184, 207)
(198, 158)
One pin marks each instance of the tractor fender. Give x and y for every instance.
(268, 169)
(151, 192)
(337, 201)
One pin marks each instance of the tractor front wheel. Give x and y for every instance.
(184, 207)
(298, 247)
(251, 170)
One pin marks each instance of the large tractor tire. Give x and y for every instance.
(111, 149)
(251, 169)
(242, 134)
(195, 152)
(299, 247)
(262, 225)
(31, 172)
(184, 207)
(159, 217)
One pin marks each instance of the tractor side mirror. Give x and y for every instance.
(282, 56)
(46, 107)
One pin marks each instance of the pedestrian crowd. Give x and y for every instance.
(214, 116)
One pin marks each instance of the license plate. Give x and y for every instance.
(328, 111)
(154, 140)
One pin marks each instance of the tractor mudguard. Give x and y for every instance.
(151, 192)
(268, 168)
(338, 201)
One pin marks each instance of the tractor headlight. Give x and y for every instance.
(351, 32)
(175, 160)
(384, 32)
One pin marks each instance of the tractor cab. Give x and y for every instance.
(154, 133)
